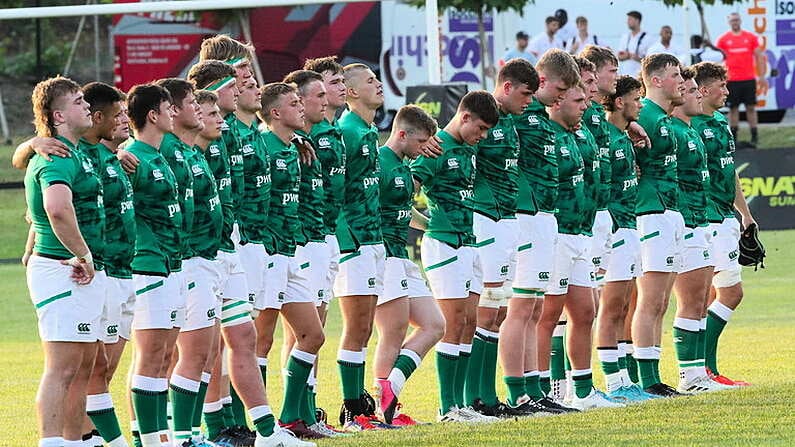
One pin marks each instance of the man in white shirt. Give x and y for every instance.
(544, 41)
(520, 51)
(566, 30)
(665, 45)
(633, 46)
(575, 44)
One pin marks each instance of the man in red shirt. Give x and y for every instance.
(746, 63)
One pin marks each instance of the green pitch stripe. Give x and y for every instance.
(442, 264)
(350, 256)
(619, 243)
(152, 286)
(54, 298)
(525, 247)
(649, 236)
(484, 243)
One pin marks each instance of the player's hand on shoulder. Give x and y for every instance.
(638, 135)
(47, 146)
(433, 148)
(129, 162)
(306, 151)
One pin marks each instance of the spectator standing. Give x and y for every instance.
(703, 51)
(520, 51)
(566, 30)
(542, 42)
(575, 44)
(666, 45)
(746, 64)
(633, 46)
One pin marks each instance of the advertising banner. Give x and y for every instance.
(439, 101)
(768, 181)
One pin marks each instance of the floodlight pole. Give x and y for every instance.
(432, 30)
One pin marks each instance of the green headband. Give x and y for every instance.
(220, 84)
(235, 61)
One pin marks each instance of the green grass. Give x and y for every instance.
(757, 346)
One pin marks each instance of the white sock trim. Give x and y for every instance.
(533, 373)
(185, 383)
(97, 402)
(206, 377)
(144, 383)
(687, 324)
(226, 400)
(212, 407)
(702, 326)
(720, 310)
(55, 441)
(258, 412)
(350, 356)
(580, 372)
(545, 374)
(413, 356)
(608, 355)
(447, 348)
(464, 349)
(487, 332)
(645, 353)
(303, 356)
(559, 330)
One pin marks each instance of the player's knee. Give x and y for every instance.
(311, 342)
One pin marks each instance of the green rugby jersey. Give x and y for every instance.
(719, 144)
(448, 183)
(230, 134)
(397, 197)
(497, 174)
(158, 216)
(311, 204)
(657, 184)
(218, 162)
(592, 176)
(692, 172)
(252, 210)
(208, 216)
(80, 175)
(595, 119)
(624, 180)
(176, 154)
(538, 162)
(330, 150)
(359, 223)
(571, 186)
(117, 198)
(282, 224)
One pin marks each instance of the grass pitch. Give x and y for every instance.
(757, 346)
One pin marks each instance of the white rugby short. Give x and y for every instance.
(600, 243)
(203, 305)
(254, 259)
(697, 249)
(159, 301)
(402, 277)
(67, 312)
(725, 244)
(661, 241)
(233, 277)
(623, 261)
(287, 282)
(361, 272)
(318, 255)
(334, 266)
(451, 272)
(538, 235)
(571, 264)
(123, 291)
(496, 243)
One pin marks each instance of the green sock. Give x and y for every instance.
(446, 366)
(298, 368)
(307, 413)
(238, 409)
(583, 382)
(532, 385)
(488, 378)
(136, 438)
(145, 399)
(263, 420)
(715, 325)
(313, 401)
(229, 414)
(632, 368)
(516, 388)
(99, 408)
(702, 341)
(405, 364)
(545, 384)
(349, 363)
(214, 422)
(686, 341)
(461, 373)
(263, 370)
(606, 356)
(196, 420)
(655, 364)
(162, 410)
(622, 360)
(646, 372)
(183, 393)
(556, 363)
(474, 371)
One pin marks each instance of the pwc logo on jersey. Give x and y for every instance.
(224, 183)
(235, 159)
(336, 170)
(125, 206)
(111, 171)
(511, 163)
(704, 176)
(549, 149)
(214, 202)
(466, 194)
(261, 180)
(497, 134)
(370, 181)
(629, 184)
(726, 161)
(403, 215)
(289, 197)
(577, 179)
(317, 183)
(173, 209)
(670, 159)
